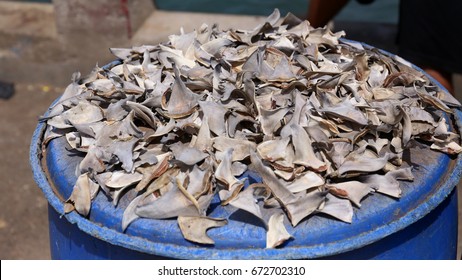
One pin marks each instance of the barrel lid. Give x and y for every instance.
(436, 174)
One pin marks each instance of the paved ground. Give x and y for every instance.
(23, 219)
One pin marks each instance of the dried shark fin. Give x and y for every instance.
(306, 181)
(195, 229)
(388, 184)
(338, 208)
(355, 191)
(130, 215)
(80, 200)
(247, 201)
(304, 205)
(182, 101)
(172, 204)
(358, 163)
(277, 233)
(304, 153)
(187, 155)
(120, 179)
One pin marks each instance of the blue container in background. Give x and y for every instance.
(422, 224)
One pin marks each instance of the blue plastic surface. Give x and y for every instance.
(422, 224)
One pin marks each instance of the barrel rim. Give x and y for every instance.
(176, 251)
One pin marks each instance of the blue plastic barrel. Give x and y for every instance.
(422, 224)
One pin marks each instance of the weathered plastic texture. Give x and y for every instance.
(422, 224)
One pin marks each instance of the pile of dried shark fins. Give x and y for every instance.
(323, 122)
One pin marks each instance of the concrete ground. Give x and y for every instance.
(33, 57)
(23, 221)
